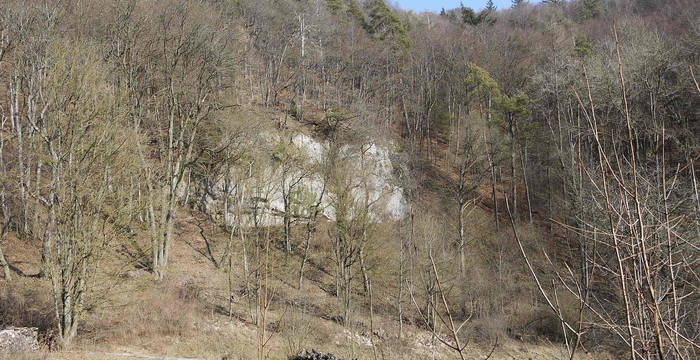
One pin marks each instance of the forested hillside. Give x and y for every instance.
(239, 179)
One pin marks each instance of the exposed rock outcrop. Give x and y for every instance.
(369, 168)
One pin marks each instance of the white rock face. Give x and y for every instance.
(314, 150)
(258, 196)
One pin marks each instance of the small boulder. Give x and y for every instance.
(21, 339)
(314, 355)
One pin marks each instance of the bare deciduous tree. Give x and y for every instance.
(87, 151)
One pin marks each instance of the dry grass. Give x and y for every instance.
(161, 311)
(186, 315)
(26, 356)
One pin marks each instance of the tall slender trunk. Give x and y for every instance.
(492, 165)
(151, 213)
(669, 239)
(175, 171)
(5, 266)
(523, 157)
(697, 197)
(3, 261)
(50, 223)
(302, 65)
(371, 320)
(307, 246)
(310, 230)
(17, 124)
(170, 225)
(399, 298)
(227, 222)
(492, 168)
(3, 202)
(246, 266)
(513, 187)
(37, 194)
(346, 295)
(230, 286)
(363, 270)
(287, 217)
(462, 260)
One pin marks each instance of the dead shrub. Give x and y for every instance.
(539, 323)
(486, 330)
(169, 309)
(296, 330)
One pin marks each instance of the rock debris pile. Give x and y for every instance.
(315, 355)
(20, 339)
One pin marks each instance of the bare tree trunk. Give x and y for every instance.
(3, 201)
(310, 230)
(399, 298)
(670, 243)
(492, 168)
(230, 287)
(51, 221)
(287, 216)
(697, 197)
(462, 260)
(456, 343)
(371, 321)
(621, 273)
(523, 156)
(5, 266)
(37, 194)
(3, 260)
(170, 224)
(302, 65)
(513, 187)
(307, 246)
(346, 295)
(228, 224)
(363, 269)
(154, 228)
(17, 124)
(244, 246)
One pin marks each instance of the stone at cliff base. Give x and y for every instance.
(314, 355)
(19, 340)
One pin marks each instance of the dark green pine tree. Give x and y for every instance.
(590, 9)
(385, 24)
(335, 6)
(353, 9)
(517, 3)
(490, 6)
(469, 17)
